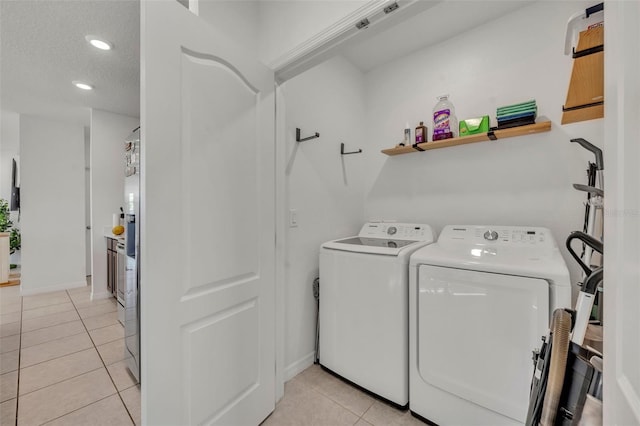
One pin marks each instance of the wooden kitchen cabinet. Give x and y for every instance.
(111, 265)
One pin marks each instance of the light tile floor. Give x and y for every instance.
(62, 361)
(316, 397)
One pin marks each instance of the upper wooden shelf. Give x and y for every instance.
(544, 126)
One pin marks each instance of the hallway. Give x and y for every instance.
(62, 361)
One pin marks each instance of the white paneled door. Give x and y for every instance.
(207, 266)
(622, 215)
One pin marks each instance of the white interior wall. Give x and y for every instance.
(239, 20)
(52, 205)
(284, 25)
(518, 181)
(108, 132)
(325, 188)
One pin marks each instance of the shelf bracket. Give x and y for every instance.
(347, 153)
(298, 139)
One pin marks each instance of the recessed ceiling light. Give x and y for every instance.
(98, 43)
(82, 85)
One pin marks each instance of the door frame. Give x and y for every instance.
(621, 215)
(306, 55)
(281, 207)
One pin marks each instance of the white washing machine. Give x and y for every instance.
(364, 306)
(480, 301)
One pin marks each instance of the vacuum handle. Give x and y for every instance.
(588, 240)
(592, 282)
(594, 9)
(591, 147)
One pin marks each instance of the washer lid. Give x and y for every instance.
(386, 238)
(370, 245)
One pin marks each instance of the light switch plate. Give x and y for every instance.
(293, 218)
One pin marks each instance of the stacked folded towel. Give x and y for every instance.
(517, 114)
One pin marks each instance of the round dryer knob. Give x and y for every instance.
(392, 230)
(491, 235)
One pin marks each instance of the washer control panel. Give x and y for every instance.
(499, 235)
(397, 231)
(491, 235)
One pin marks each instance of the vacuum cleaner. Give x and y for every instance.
(566, 386)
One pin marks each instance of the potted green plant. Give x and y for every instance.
(6, 225)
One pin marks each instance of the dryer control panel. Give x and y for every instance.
(512, 236)
(397, 231)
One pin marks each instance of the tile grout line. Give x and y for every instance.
(330, 398)
(48, 326)
(318, 391)
(105, 365)
(77, 409)
(105, 326)
(46, 306)
(45, 315)
(61, 356)
(62, 381)
(11, 335)
(99, 315)
(52, 340)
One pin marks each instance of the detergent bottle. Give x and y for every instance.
(445, 123)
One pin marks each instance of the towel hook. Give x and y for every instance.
(347, 153)
(298, 139)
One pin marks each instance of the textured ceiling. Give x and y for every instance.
(43, 49)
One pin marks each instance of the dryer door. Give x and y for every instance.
(476, 331)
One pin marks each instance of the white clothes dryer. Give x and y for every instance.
(364, 306)
(480, 301)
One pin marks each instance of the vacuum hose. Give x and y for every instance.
(561, 329)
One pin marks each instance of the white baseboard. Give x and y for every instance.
(297, 367)
(51, 288)
(99, 296)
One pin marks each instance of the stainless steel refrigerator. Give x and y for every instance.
(132, 248)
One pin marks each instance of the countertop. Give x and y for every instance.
(108, 234)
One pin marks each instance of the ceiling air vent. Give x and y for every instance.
(390, 8)
(362, 24)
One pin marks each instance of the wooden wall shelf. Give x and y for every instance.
(544, 126)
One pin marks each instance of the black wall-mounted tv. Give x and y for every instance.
(14, 205)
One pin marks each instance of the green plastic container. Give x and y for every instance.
(474, 126)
